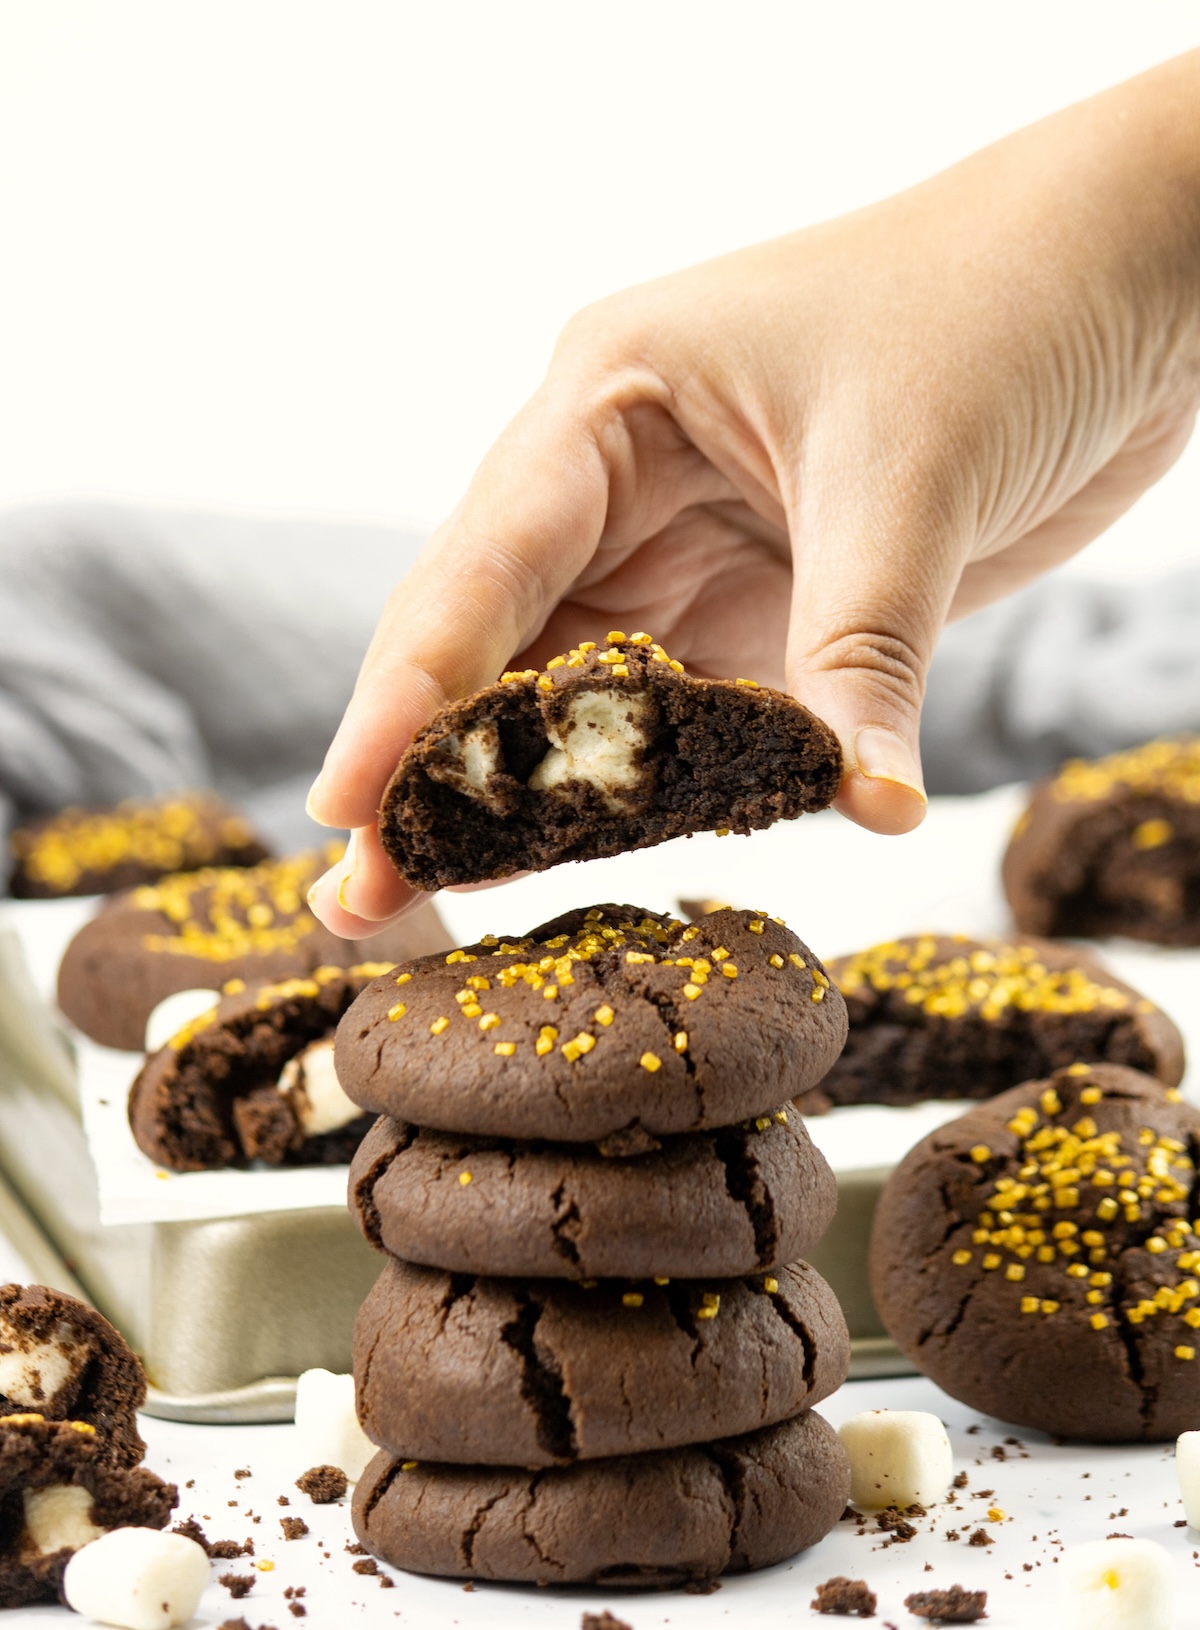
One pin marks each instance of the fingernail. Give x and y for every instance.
(314, 792)
(881, 755)
(349, 860)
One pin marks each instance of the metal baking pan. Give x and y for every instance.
(226, 1313)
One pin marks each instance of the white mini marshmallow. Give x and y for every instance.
(898, 1457)
(1187, 1470)
(173, 1012)
(138, 1578)
(310, 1083)
(1116, 1584)
(327, 1429)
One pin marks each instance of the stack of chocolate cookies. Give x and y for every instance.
(592, 1353)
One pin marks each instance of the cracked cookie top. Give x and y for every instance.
(1112, 846)
(608, 1021)
(1039, 1257)
(945, 1016)
(610, 748)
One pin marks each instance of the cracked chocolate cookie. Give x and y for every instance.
(736, 1201)
(603, 1021)
(1112, 846)
(201, 929)
(1038, 1258)
(254, 1079)
(656, 1519)
(61, 1358)
(473, 1371)
(57, 1493)
(605, 751)
(938, 1016)
(100, 851)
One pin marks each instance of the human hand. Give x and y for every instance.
(795, 462)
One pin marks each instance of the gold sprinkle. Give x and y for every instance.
(756, 926)
(464, 1178)
(439, 1025)
(722, 831)
(991, 1260)
(489, 1021)
(1029, 1304)
(1098, 1321)
(1050, 1306)
(750, 684)
(604, 1015)
(681, 1041)
(550, 993)
(265, 1565)
(1090, 1095)
(651, 1062)
(775, 960)
(616, 637)
(995, 1514)
(409, 1465)
(506, 1049)
(980, 1153)
(691, 992)
(1015, 1271)
(771, 1286)
(961, 1258)
(397, 1011)
(403, 978)
(633, 1298)
(662, 1279)
(1185, 1352)
(729, 969)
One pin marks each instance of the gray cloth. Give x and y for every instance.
(1065, 667)
(143, 651)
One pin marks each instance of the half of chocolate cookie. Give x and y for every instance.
(63, 1359)
(58, 1493)
(254, 1079)
(736, 1201)
(938, 1016)
(604, 1021)
(608, 750)
(670, 1518)
(1112, 846)
(202, 929)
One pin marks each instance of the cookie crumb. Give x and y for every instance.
(244, 1472)
(323, 1484)
(237, 1584)
(953, 1606)
(701, 1587)
(293, 1527)
(367, 1565)
(848, 1597)
(603, 1621)
(981, 1537)
(283, 1500)
(224, 1550)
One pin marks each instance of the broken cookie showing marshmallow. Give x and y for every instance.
(1116, 1584)
(253, 1078)
(58, 1494)
(608, 750)
(62, 1359)
(138, 1578)
(898, 1457)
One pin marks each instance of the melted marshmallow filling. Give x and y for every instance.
(59, 1518)
(33, 1373)
(311, 1085)
(599, 742)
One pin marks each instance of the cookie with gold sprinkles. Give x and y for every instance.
(665, 1518)
(57, 1493)
(1039, 1258)
(612, 747)
(937, 1016)
(734, 1201)
(199, 930)
(101, 851)
(502, 1372)
(253, 1078)
(604, 1021)
(1112, 846)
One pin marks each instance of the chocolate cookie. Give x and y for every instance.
(61, 1358)
(599, 1022)
(539, 1373)
(1038, 1258)
(938, 1017)
(1112, 847)
(253, 1079)
(737, 1201)
(655, 1519)
(98, 851)
(608, 750)
(57, 1493)
(205, 928)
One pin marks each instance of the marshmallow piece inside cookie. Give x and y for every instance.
(139, 1578)
(598, 741)
(34, 1372)
(1187, 1470)
(1116, 1584)
(898, 1457)
(174, 1012)
(310, 1084)
(58, 1518)
(327, 1429)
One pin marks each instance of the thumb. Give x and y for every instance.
(868, 604)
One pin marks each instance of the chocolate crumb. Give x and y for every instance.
(367, 1565)
(283, 1500)
(293, 1527)
(701, 1587)
(191, 1529)
(323, 1484)
(960, 1481)
(190, 1484)
(953, 1606)
(245, 1472)
(952, 1533)
(849, 1598)
(386, 1582)
(981, 1537)
(603, 1621)
(237, 1584)
(1118, 1536)
(355, 1549)
(298, 1610)
(234, 1624)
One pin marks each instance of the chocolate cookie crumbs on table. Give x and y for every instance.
(237, 1584)
(1112, 846)
(953, 1606)
(605, 751)
(945, 1016)
(1038, 1258)
(323, 1484)
(293, 1527)
(981, 1537)
(848, 1598)
(603, 1621)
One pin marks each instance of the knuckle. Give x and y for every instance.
(888, 662)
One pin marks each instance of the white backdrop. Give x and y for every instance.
(310, 257)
